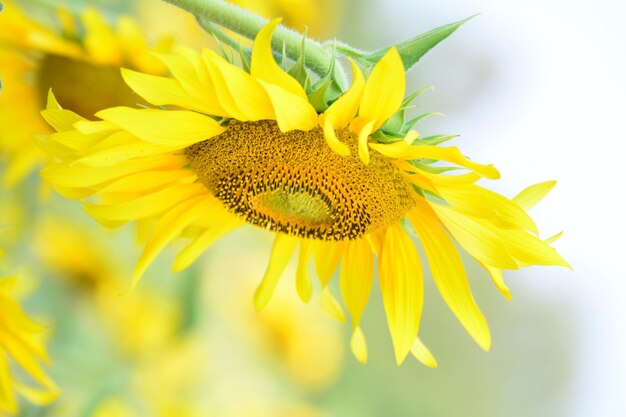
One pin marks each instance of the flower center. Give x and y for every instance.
(82, 87)
(294, 183)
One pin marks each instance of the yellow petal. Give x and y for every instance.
(496, 247)
(169, 227)
(303, 281)
(264, 67)
(530, 250)
(243, 97)
(330, 136)
(384, 90)
(292, 112)
(188, 69)
(169, 128)
(422, 354)
(201, 242)
(358, 345)
(20, 352)
(141, 183)
(363, 128)
(554, 238)
(346, 106)
(147, 205)
(483, 243)
(99, 40)
(330, 306)
(401, 150)
(69, 175)
(401, 284)
(448, 273)
(37, 396)
(61, 120)
(532, 195)
(7, 398)
(284, 246)
(498, 280)
(356, 277)
(327, 256)
(484, 203)
(162, 91)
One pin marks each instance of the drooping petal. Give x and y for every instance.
(169, 227)
(402, 150)
(448, 272)
(498, 280)
(356, 277)
(384, 89)
(496, 247)
(303, 280)
(422, 353)
(533, 194)
(358, 345)
(484, 203)
(284, 246)
(264, 67)
(481, 242)
(326, 256)
(330, 306)
(178, 128)
(400, 276)
(201, 242)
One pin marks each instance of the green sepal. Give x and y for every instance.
(396, 122)
(432, 170)
(410, 50)
(245, 54)
(222, 51)
(283, 57)
(298, 70)
(434, 139)
(411, 123)
(386, 136)
(245, 58)
(326, 90)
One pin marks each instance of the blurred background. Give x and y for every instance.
(536, 87)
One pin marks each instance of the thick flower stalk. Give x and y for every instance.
(338, 176)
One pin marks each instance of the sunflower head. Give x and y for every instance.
(337, 173)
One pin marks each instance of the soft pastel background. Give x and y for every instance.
(537, 87)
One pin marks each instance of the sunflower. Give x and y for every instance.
(21, 343)
(79, 60)
(341, 182)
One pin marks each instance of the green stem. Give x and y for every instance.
(318, 58)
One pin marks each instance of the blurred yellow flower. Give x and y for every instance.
(140, 322)
(79, 60)
(278, 334)
(21, 346)
(318, 179)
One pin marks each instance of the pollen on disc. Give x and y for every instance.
(292, 182)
